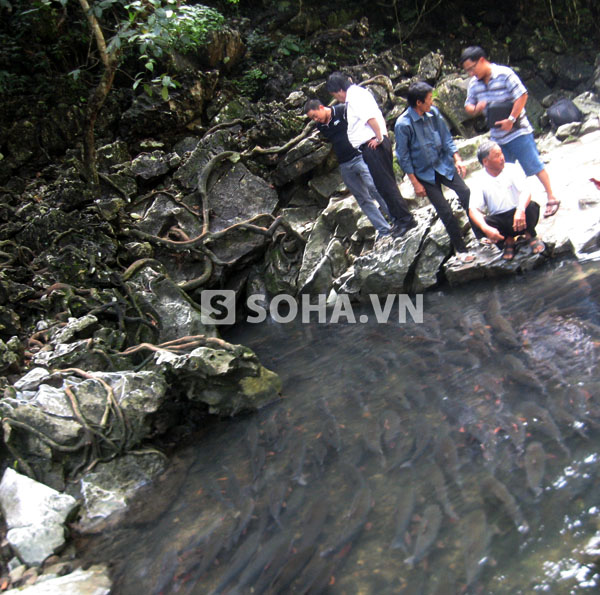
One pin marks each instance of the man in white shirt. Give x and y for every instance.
(502, 191)
(367, 132)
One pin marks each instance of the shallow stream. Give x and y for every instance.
(459, 455)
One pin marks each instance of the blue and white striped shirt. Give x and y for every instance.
(504, 85)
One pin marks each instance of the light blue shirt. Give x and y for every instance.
(436, 155)
(504, 85)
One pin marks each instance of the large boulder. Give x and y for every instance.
(385, 271)
(35, 515)
(239, 195)
(301, 159)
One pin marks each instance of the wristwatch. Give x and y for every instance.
(512, 118)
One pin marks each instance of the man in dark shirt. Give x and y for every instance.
(332, 123)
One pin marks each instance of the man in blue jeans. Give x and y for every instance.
(494, 84)
(428, 156)
(331, 122)
(367, 132)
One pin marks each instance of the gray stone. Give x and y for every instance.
(332, 265)
(164, 210)
(301, 219)
(153, 165)
(178, 315)
(187, 174)
(32, 379)
(239, 195)
(384, 272)
(571, 71)
(9, 354)
(451, 92)
(588, 104)
(34, 515)
(436, 249)
(300, 159)
(107, 490)
(92, 581)
(228, 380)
(111, 155)
(328, 185)
(430, 67)
(591, 124)
(74, 325)
(340, 218)
(568, 130)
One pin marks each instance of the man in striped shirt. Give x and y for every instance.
(492, 84)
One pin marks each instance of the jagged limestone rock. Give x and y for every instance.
(300, 159)
(228, 380)
(108, 488)
(154, 164)
(34, 515)
(176, 314)
(384, 271)
(94, 580)
(239, 195)
(436, 249)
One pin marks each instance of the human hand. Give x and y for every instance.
(494, 235)
(505, 125)
(480, 106)
(373, 144)
(419, 189)
(461, 168)
(519, 220)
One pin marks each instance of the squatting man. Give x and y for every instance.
(502, 191)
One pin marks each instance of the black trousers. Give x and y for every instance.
(440, 204)
(380, 164)
(503, 222)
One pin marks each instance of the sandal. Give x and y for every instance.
(465, 257)
(509, 252)
(537, 246)
(551, 208)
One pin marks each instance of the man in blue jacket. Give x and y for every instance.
(428, 156)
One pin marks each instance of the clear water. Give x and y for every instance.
(399, 459)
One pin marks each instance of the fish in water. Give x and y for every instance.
(446, 455)
(541, 418)
(405, 506)
(518, 373)
(427, 533)
(439, 485)
(392, 427)
(535, 466)
(476, 537)
(493, 489)
(355, 520)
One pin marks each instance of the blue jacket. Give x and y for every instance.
(439, 146)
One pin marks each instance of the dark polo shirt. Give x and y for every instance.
(336, 132)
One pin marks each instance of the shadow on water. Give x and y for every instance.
(455, 456)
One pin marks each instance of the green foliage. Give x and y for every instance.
(250, 83)
(259, 45)
(289, 45)
(191, 26)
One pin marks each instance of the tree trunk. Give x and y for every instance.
(95, 103)
(98, 96)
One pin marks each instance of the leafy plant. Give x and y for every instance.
(249, 84)
(290, 44)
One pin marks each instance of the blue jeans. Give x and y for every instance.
(357, 178)
(523, 150)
